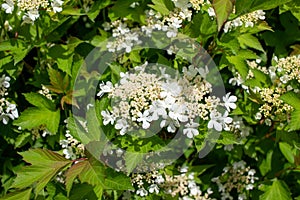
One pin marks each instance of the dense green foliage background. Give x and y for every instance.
(42, 57)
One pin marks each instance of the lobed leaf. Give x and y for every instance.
(278, 190)
(34, 117)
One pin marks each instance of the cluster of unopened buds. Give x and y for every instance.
(237, 177)
(182, 185)
(247, 20)
(72, 148)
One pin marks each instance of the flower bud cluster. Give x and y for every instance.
(237, 177)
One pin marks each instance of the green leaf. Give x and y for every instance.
(93, 173)
(34, 117)
(279, 191)
(132, 159)
(266, 164)
(292, 99)
(267, 5)
(117, 181)
(248, 40)
(243, 6)
(22, 139)
(72, 173)
(293, 7)
(96, 8)
(294, 122)
(15, 47)
(19, 195)
(45, 164)
(287, 151)
(70, 10)
(162, 6)
(83, 192)
(94, 130)
(39, 100)
(64, 54)
(222, 8)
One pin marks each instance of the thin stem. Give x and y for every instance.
(37, 40)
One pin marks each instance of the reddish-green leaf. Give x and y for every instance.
(72, 173)
(59, 83)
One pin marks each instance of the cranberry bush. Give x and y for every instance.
(154, 99)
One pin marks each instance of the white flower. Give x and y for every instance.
(184, 169)
(172, 124)
(211, 12)
(249, 187)
(134, 4)
(159, 179)
(251, 172)
(171, 88)
(191, 130)
(190, 72)
(56, 5)
(157, 110)
(172, 32)
(105, 88)
(64, 143)
(203, 71)
(177, 113)
(258, 116)
(145, 119)
(69, 153)
(12, 111)
(284, 79)
(107, 117)
(8, 6)
(229, 101)
(195, 190)
(4, 118)
(122, 125)
(225, 119)
(239, 165)
(4, 80)
(249, 24)
(142, 192)
(176, 22)
(242, 196)
(214, 121)
(33, 14)
(154, 188)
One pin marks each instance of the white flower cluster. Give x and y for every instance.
(142, 98)
(237, 178)
(169, 24)
(123, 37)
(247, 20)
(72, 148)
(8, 110)
(182, 185)
(30, 9)
(284, 75)
(45, 92)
